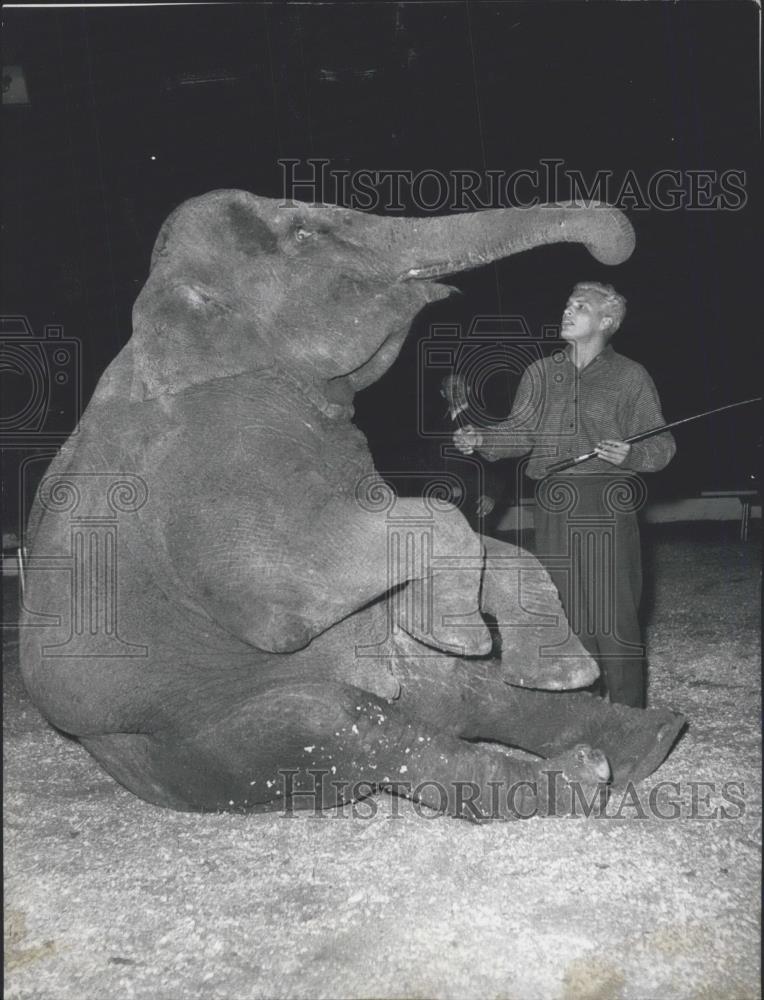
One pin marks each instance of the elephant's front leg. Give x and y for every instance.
(537, 646)
(278, 591)
(433, 552)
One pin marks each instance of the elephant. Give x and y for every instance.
(225, 603)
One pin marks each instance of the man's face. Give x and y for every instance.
(583, 319)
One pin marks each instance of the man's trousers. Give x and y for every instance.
(587, 537)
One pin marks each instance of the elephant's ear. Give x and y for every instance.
(187, 331)
(198, 317)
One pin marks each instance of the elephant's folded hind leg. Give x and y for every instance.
(314, 746)
(475, 702)
(636, 741)
(135, 760)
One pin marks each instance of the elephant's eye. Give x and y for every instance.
(303, 234)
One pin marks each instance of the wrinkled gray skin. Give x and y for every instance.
(262, 624)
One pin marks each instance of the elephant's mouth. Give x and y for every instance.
(430, 276)
(430, 272)
(425, 280)
(441, 269)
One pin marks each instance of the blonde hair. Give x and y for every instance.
(613, 303)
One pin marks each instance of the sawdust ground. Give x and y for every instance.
(107, 896)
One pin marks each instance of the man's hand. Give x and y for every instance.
(467, 439)
(615, 452)
(484, 506)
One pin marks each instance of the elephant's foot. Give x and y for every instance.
(441, 611)
(637, 740)
(538, 650)
(573, 782)
(469, 698)
(550, 673)
(485, 785)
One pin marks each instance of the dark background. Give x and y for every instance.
(121, 127)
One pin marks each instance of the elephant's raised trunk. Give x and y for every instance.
(431, 248)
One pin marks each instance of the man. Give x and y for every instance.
(588, 398)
